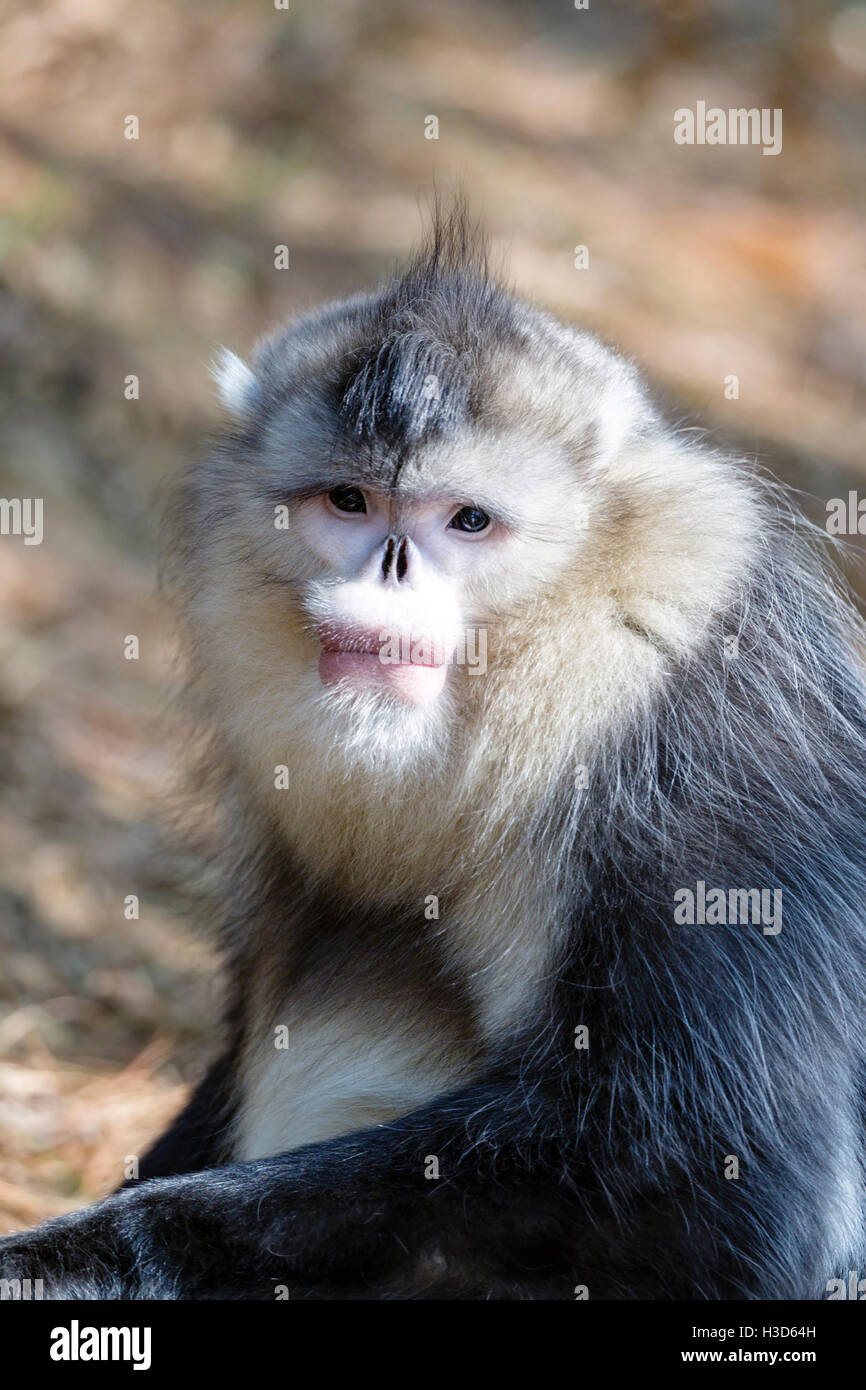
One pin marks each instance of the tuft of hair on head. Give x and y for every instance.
(455, 245)
(414, 374)
(235, 382)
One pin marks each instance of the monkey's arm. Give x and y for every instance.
(356, 1215)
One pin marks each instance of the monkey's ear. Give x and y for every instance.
(236, 382)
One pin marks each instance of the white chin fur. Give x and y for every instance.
(377, 731)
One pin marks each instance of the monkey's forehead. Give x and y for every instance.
(385, 376)
(516, 439)
(471, 463)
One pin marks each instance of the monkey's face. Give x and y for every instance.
(360, 613)
(394, 596)
(407, 579)
(389, 617)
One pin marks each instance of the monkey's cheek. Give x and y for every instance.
(418, 685)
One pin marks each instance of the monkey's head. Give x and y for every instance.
(444, 519)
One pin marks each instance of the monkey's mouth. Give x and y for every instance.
(413, 666)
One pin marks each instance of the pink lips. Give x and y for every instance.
(355, 657)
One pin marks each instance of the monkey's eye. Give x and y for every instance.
(469, 519)
(347, 499)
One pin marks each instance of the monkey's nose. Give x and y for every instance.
(395, 561)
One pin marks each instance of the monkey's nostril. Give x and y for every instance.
(395, 561)
(388, 557)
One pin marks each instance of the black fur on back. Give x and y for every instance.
(710, 1041)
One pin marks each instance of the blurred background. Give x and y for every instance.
(305, 127)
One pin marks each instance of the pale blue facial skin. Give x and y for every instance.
(394, 619)
(346, 540)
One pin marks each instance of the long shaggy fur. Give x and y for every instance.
(674, 696)
(671, 762)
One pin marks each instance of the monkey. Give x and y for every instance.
(545, 951)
